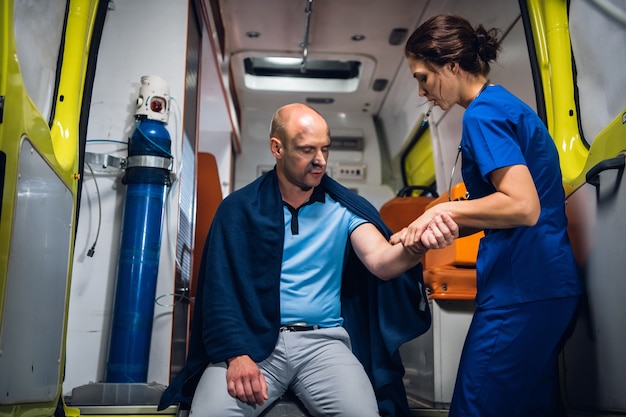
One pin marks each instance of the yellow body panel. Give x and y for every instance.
(64, 129)
(420, 165)
(550, 28)
(609, 143)
(58, 145)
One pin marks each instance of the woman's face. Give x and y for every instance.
(437, 85)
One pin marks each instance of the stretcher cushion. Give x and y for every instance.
(450, 283)
(209, 196)
(463, 251)
(450, 272)
(399, 212)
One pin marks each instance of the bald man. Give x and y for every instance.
(287, 265)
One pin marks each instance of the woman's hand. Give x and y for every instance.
(428, 232)
(440, 232)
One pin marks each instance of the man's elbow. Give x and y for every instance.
(386, 277)
(387, 274)
(383, 273)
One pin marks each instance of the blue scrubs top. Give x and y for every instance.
(521, 264)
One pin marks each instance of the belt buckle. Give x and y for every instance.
(297, 326)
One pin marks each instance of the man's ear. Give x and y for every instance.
(275, 146)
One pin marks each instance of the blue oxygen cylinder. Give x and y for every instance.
(146, 179)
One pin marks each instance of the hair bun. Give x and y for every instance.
(487, 44)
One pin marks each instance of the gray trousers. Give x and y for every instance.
(316, 365)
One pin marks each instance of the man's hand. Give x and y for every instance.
(245, 380)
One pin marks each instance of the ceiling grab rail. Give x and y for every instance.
(305, 45)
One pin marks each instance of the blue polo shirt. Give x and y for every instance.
(520, 264)
(315, 242)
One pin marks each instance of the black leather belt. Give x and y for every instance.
(298, 327)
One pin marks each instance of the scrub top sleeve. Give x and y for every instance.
(492, 140)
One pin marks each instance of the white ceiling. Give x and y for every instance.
(282, 25)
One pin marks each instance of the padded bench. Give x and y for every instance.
(286, 406)
(450, 273)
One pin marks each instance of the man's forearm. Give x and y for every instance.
(397, 260)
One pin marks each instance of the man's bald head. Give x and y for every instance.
(294, 119)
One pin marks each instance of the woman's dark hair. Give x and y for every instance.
(448, 38)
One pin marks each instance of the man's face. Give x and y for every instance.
(304, 155)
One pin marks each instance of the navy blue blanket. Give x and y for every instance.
(236, 309)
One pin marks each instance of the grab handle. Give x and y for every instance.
(593, 176)
(406, 191)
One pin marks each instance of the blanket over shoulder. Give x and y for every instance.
(236, 309)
